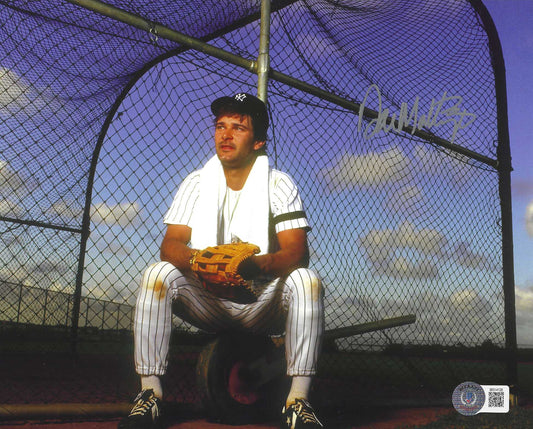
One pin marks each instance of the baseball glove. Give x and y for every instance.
(218, 268)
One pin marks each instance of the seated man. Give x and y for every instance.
(236, 196)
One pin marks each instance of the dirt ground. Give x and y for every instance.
(436, 417)
(367, 419)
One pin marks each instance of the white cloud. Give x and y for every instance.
(47, 267)
(402, 267)
(14, 184)
(67, 210)
(368, 170)
(470, 302)
(97, 292)
(393, 166)
(14, 92)
(457, 173)
(465, 256)
(408, 252)
(18, 96)
(10, 209)
(39, 105)
(114, 247)
(122, 214)
(524, 316)
(12, 275)
(112, 287)
(465, 316)
(386, 250)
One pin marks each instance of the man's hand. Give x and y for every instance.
(249, 268)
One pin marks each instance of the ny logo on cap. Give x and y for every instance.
(240, 97)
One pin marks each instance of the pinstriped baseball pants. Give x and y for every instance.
(293, 305)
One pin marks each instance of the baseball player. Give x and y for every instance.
(236, 196)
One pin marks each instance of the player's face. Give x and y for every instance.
(234, 140)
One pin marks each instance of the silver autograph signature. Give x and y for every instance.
(443, 111)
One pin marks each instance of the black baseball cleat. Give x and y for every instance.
(300, 415)
(145, 414)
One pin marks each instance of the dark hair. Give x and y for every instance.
(259, 129)
(244, 104)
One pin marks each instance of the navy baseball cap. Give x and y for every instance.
(245, 104)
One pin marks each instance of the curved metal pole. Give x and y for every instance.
(504, 171)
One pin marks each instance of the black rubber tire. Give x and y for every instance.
(226, 390)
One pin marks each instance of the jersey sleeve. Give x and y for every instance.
(181, 209)
(286, 204)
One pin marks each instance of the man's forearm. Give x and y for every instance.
(278, 264)
(177, 253)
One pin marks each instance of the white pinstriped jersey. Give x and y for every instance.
(286, 208)
(293, 303)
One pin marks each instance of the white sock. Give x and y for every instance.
(300, 387)
(152, 382)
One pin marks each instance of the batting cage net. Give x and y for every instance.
(388, 114)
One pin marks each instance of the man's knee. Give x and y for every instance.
(156, 278)
(307, 284)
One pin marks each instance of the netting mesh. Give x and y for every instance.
(102, 121)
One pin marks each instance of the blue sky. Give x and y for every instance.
(514, 22)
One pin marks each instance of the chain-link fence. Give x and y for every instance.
(101, 121)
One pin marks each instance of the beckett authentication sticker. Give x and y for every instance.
(468, 398)
(496, 399)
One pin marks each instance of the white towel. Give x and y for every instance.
(251, 215)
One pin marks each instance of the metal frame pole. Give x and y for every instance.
(263, 59)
